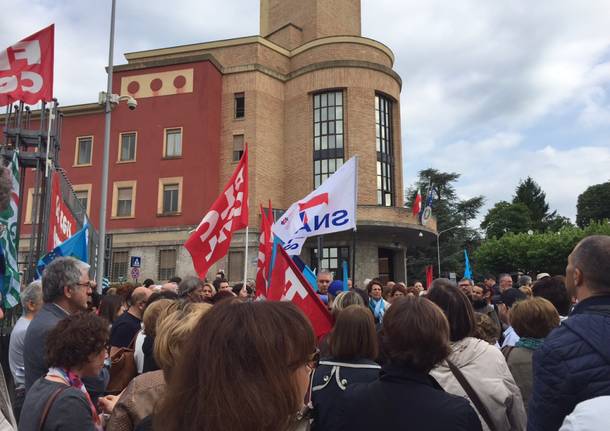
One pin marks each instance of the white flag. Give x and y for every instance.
(329, 208)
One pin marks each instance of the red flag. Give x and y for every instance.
(288, 284)
(265, 249)
(429, 276)
(417, 204)
(229, 212)
(26, 69)
(62, 224)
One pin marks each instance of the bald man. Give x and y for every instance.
(127, 325)
(573, 364)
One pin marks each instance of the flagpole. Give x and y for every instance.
(246, 257)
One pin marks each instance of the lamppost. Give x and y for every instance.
(438, 248)
(109, 100)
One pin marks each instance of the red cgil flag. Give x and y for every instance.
(265, 250)
(288, 284)
(429, 276)
(211, 240)
(26, 69)
(417, 204)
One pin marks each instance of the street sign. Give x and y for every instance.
(136, 261)
(135, 273)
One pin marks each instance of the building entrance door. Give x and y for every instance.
(386, 264)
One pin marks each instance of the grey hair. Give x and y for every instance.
(31, 293)
(326, 271)
(189, 284)
(524, 280)
(345, 299)
(61, 272)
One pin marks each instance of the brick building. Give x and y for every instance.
(306, 94)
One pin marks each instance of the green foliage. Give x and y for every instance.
(530, 194)
(540, 252)
(450, 211)
(505, 217)
(593, 204)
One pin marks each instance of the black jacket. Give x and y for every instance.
(330, 381)
(402, 399)
(572, 366)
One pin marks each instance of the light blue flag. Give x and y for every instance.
(75, 246)
(467, 271)
(310, 276)
(345, 275)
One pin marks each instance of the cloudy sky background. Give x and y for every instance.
(495, 91)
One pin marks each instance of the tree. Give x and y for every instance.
(505, 217)
(593, 204)
(450, 211)
(532, 254)
(531, 195)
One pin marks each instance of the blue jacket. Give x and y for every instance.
(572, 366)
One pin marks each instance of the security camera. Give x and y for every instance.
(132, 103)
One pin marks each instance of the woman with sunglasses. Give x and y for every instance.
(250, 369)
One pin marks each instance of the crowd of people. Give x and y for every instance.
(503, 354)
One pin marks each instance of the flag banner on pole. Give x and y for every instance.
(329, 208)
(288, 284)
(426, 214)
(229, 212)
(8, 239)
(417, 204)
(76, 246)
(265, 249)
(467, 271)
(62, 224)
(429, 275)
(26, 69)
(345, 268)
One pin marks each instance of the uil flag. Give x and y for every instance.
(265, 249)
(329, 208)
(229, 212)
(288, 284)
(26, 69)
(417, 204)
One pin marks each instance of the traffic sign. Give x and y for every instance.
(136, 261)
(135, 273)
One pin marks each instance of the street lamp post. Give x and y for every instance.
(438, 248)
(104, 192)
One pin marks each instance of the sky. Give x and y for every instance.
(493, 90)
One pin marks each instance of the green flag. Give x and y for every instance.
(10, 284)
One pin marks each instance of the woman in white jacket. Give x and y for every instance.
(477, 363)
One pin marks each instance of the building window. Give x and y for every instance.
(120, 264)
(84, 151)
(83, 195)
(127, 150)
(331, 260)
(236, 265)
(327, 134)
(169, 197)
(238, 147)
(385, 150)
(32, 206)
(173, 143)
(124, 199)
(167, 264)
(240, 105)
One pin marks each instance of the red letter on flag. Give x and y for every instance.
(26, 69)
(211, 240)
(288, 284)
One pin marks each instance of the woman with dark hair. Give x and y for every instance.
(475, 369)
(353, 350)
(415, 337)
(398, 291)
(249, 370)
(532, 320)
(76, 348)
(377, 304)
(111, 307)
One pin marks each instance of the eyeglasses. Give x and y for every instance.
(89, 284)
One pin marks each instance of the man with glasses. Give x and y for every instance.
(127, 325)
(66, 287)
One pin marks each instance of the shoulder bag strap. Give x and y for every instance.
(506, 351)
(47, 406)
(472, 395)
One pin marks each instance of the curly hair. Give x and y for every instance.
(75, 339)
